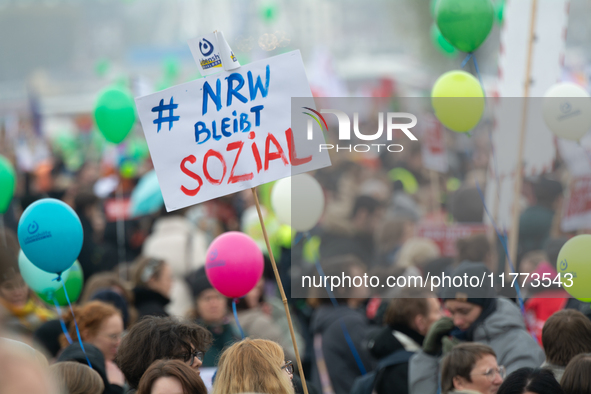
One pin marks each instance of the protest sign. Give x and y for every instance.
(434, 151)
(577, 206)
(229, 132)
(446, 235)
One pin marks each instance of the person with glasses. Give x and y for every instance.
(471, 368)
(254, 366)
(475, 314)
(157, 337)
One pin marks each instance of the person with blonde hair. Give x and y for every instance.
(254, 366)
(77, 378)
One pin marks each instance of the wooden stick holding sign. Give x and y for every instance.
(283, 298)
(514, 233)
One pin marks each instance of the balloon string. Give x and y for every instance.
(299, 237)
(465, 61)
(478, 72)
(62, 322)
(476, 68)
(504, 243)
(75, 322)
(356, 356)
(236, 317)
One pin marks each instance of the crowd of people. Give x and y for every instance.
(149, 321)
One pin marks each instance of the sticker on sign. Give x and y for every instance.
(229, 132)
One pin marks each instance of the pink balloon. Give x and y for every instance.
(234, 264)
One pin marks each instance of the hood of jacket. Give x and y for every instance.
(328, 314)
(143, 295)
(505, 317)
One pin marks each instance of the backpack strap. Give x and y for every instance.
(398, 357)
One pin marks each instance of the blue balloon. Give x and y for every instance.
(50, 235)
(38, 280)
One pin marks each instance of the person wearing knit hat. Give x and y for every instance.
(211, 311)
(476, 315)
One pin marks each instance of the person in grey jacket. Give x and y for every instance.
(476, 317)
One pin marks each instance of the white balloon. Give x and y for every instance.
(567, 111)
(298, 201)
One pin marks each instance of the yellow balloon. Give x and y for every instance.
(458, 101)
(574, 268)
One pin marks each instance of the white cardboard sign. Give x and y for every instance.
(229, 132)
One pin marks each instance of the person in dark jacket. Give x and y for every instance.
(211, 312)
(475, 317)
(153, 282)
(112, 378)
(408, 321)
(340, 332)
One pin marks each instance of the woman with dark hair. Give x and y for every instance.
(339, 349)
(530, 381)
(212, 312)
(171, 377)
(576, 378)
(153, 282)
(154, 338)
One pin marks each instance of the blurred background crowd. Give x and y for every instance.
(386, 213)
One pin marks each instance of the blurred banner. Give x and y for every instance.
(547, 56)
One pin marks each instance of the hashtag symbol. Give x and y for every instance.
(170, 118)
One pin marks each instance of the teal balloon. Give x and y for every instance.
(41, 282)
(114, 114)
(50, 234)
(7, 183)
(441, 43)
(74, 282)
(146, 198)
(465, 23)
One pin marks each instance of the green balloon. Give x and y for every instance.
(171, 67)
(441, 43)
(499, 11)
(7, 183)
(465, 23)
(101, 68)
(114, 114)
(269, 12)
(433, 7)
(573, 259)
(74, 282)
